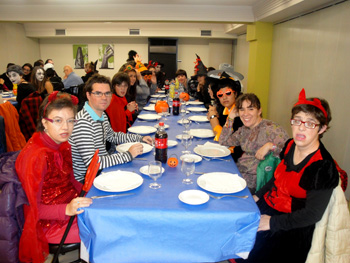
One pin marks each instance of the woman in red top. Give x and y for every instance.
(44, 167)
(294, 200)
(119, 110)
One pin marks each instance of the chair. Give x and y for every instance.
(65, 249)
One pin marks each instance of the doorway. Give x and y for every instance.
(164, 50)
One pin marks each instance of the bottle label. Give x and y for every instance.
(176, 103)
(162, 143)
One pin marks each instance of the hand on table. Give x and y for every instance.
(136, 149)
(264, 223)
(132, 106)
(148, 139)
(78, 202)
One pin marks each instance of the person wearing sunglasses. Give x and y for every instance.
(44, 168)
(257, 137)
(295, 199)
(226, 90)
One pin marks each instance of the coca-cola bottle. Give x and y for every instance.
(161, 144)
(176, 104)
(166, 86)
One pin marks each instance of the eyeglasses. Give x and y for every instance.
(220, 93)
(100, 94)
(59, 122)
(307, 124)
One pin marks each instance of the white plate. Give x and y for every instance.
(198, 118)
(166, 126)
(194, 103)
(118, 181)
(202, 133)
(195, 157)
(150, 107)
(171, 143)
(179, 137)
(158, 96)
(221, 183)
(161, 91)
(212, 151)
(125, 147)
(142, 129)
(144, 170)
(182, 121)
(149, 117)
(197, 109)
(194, 197)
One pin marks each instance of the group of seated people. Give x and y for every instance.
(53, 164)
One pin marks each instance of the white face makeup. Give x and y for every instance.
(14, 77)
(40, 75)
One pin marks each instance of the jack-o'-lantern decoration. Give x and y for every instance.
(184, 96)
(173, 161)
(160, 104)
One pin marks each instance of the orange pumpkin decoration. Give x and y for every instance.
(161, 104)
(173, 162)
(184, 96)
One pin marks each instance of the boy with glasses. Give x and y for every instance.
(93, 130)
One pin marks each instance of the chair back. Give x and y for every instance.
(265, 170)
(12, 199)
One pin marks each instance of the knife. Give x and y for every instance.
(104, 196)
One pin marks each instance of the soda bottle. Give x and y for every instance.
(161, 144)
(166, 86)
(14, 89)
(176, 104)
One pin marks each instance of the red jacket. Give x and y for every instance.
(119, 116)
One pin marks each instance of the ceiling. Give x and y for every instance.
(154, 18)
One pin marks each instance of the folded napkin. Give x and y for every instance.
(221, 182)
(211, 144)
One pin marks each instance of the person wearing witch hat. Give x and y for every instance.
(225, 91)
(202, 87)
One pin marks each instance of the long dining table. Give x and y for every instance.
(153, 225)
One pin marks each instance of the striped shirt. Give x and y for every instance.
(88, 136)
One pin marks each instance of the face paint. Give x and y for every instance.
(40, 75)
(14, 77)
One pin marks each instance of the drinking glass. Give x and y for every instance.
(187, 167)
(186, 141)
(155, 171)
(165, 111)
(186, 123)
(183, 109)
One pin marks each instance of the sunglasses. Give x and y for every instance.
(220, 93)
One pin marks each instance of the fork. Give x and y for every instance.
(209, 159)
(222, 196)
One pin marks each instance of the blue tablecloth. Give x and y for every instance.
(155, 226)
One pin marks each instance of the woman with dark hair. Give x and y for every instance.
(27, 71)
(44, 167)
(40, 82)
(257, 137)
(119, 110)
(15, 74)
(298, 194)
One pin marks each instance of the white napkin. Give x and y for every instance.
(222, 182)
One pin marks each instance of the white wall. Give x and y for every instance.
(15, 47)
(313, 52)
(212, 52)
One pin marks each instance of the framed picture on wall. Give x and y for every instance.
(106, 56)
(80, 56)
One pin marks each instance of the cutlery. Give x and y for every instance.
(104, 196)
(199, 173)
(222, 196)
(214, 158)
(141, 159)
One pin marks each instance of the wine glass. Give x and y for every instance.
(186, 123)
(183, 109)
(164, 112)
(187, 167)
(155, 171)
(186, 140)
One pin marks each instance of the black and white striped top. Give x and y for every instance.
(88, 136)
